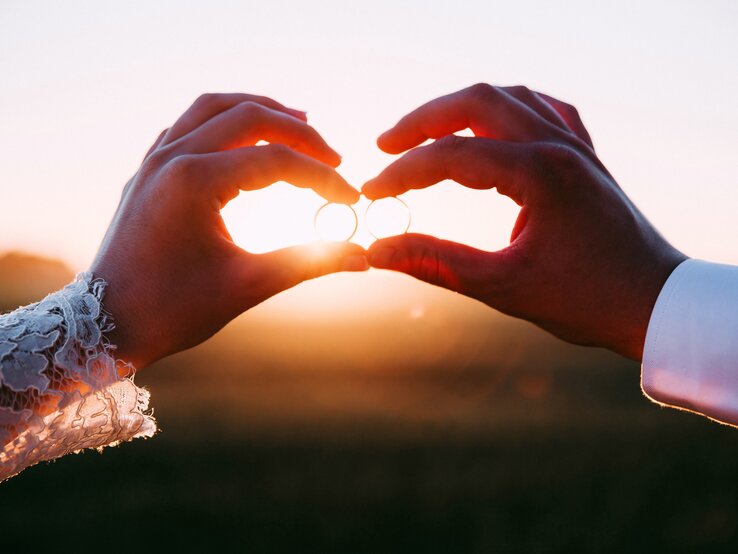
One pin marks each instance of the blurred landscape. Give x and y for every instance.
(433, 424)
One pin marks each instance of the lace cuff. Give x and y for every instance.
(61, 388)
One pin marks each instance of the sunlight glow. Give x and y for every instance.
(269, 219)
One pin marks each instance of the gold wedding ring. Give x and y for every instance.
(386, 217)
(383, 217)
(335, 222)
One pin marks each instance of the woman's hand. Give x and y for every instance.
(174, 275)
(583, 262)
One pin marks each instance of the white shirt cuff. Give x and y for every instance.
(690, 358)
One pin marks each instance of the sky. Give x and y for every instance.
(87, 86)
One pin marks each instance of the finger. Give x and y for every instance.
(290, 266)
(256, 167)
(532, 99)
(210, 105)
(446, 264)
(488, 111)
(474, 162)
(569, 114)
(248, 123)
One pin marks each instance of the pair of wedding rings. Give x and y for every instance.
(383, 218)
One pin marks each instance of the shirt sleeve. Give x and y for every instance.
(690, 358)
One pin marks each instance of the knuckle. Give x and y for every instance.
(480, 89)
(483, 92)
(558, 155)
(428, 264)
(277, 150)
(265, 102)
(249, 111)
(560, 162)
(158, 158)
(419, 260)
(570, 109)
(520, 91)
(450, 153)
(206, 100)
(182, 169)
(449, 143)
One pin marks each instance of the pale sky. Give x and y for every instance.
(87, 86)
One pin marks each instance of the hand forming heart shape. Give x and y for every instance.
(176, 276)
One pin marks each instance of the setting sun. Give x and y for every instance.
(269, 219)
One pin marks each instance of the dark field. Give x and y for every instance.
(384, 438)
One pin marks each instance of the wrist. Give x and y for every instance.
(649, 288)
(126, 315)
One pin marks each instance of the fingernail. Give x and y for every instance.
(357, 262)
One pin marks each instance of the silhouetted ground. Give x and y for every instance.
(25, 278)
(273, 440)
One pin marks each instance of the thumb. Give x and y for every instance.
(290, 266)
(447, 264)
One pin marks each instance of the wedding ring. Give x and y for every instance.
(386, 217)
(335, 222)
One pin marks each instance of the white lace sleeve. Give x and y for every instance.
(61, 388)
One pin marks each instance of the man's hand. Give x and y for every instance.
(175, 276)
(583, 263)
